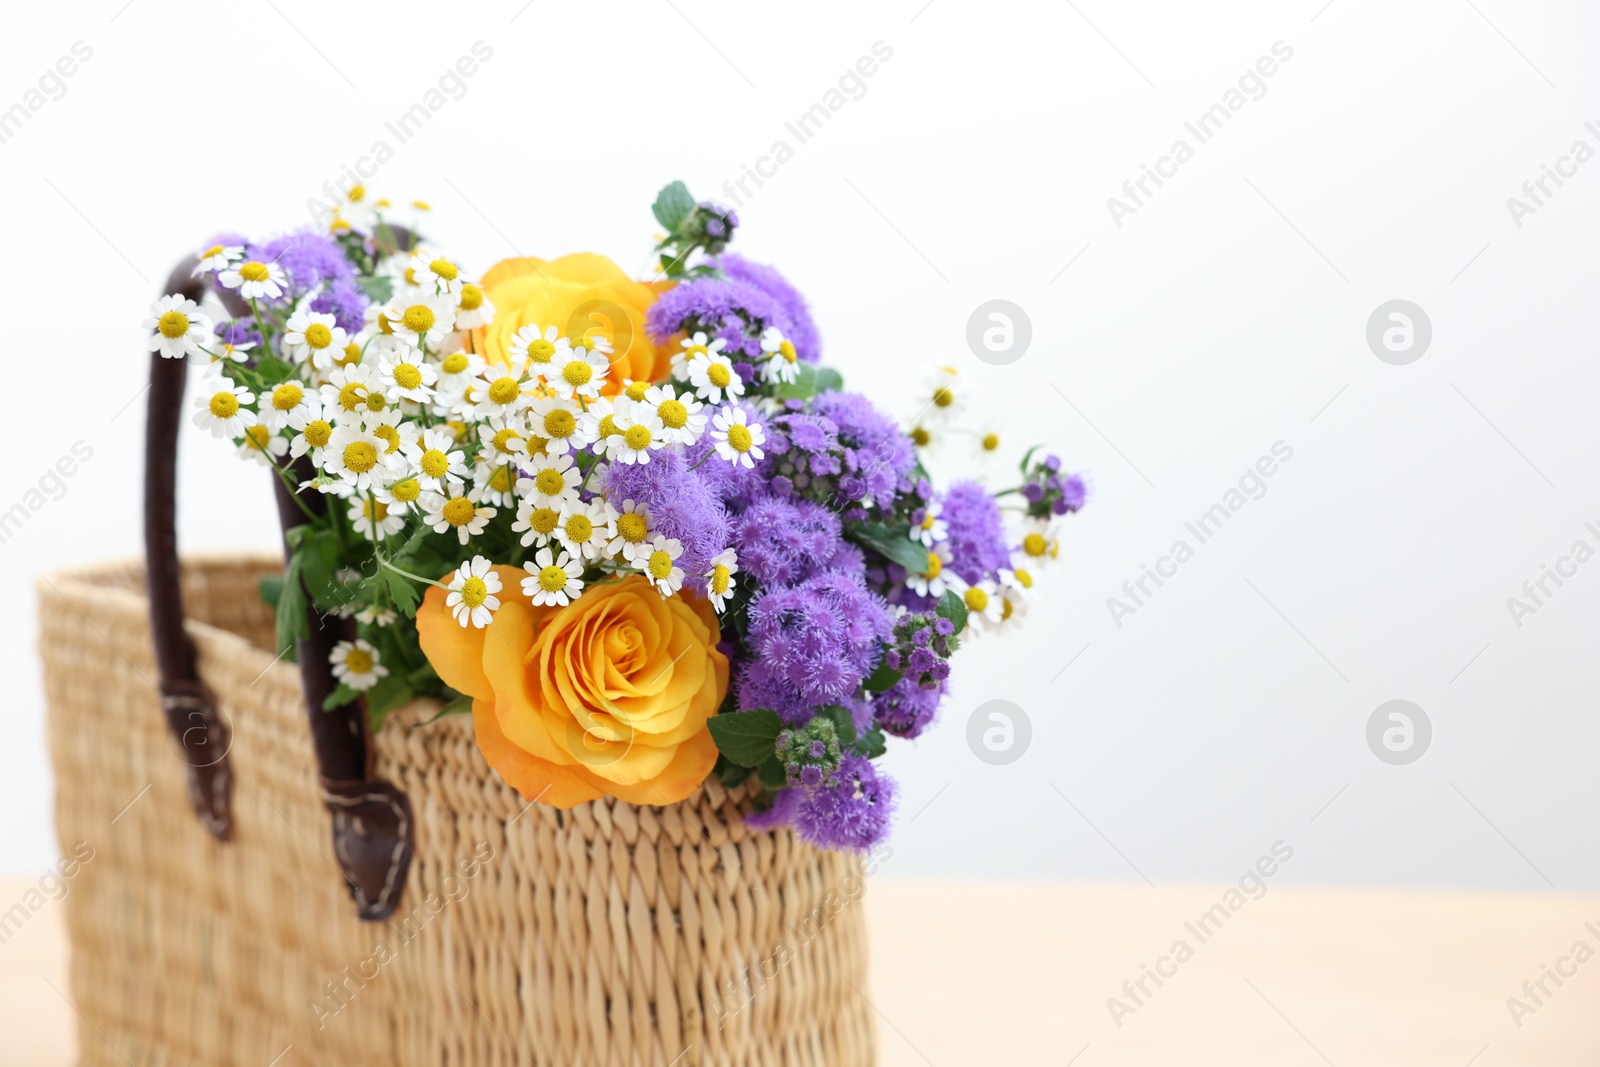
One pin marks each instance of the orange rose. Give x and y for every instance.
(608, 695)
(580, 296)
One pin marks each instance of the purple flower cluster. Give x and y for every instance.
(876, 458)
(978, 546)
(797, 324)
(734, 311)
(1049, 492)
(681, 505)
(810, 644)
(782, 542)
(849, 812)
(906, 709)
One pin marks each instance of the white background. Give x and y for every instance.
(1227, 314)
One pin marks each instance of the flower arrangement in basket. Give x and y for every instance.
(637, 529)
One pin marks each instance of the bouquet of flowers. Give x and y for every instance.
(636, 529)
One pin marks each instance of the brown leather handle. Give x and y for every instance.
(371, 819)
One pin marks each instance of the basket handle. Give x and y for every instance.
(371, 818)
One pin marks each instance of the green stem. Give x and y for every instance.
(413, 577)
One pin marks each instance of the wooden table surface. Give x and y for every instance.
(1021, 974)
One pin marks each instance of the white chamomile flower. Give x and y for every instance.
(555, 421)
(239, 353)
(538, 349)
(358, 208)
(398, 434)
(457, 369)
(434, 274)
(638, 434)
(400, 497)
(984, 604)
(536, 521)
(683, 419)
(352, 391)
(217, 257)
(692, 348)
(944, 398)
(505, 439)
(354, 455)
(1016, 595)
(460, 513)
(495, 482)
(374, 519)
(284, 401)
(355, 664)
(713, 377)
(738, 440)
(255, 279)
(553, 580)
(781, 363)
(503, 389)
(551, 480)
(633, 531)
(578, 372)
(437, 461)
(312, 432)
(221, 408)
(472, 597)
(987, 442)
(406, 375)
(719, 579)
(586, 529)
(180, 330)
(634, 390)
(936, 577)
(660, 564)
(1041, 540)
(313, 336)
(379, 617)
(475, 309)
(599, 423)
(423, 320)
(932, 529)
(262, 445)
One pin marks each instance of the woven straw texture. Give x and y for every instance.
(621, 935)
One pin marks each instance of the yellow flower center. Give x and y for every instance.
(287, 396)
(418, 318)
(1035, 545)
(976, 599)
(552, 579)
(318, 335)
(459, 511)
(503, 391)
(559, 423)
(920, 437)
(660, 564)
(673, 414)
(719, 375)
(471, 298)
(257, 437)
(224, 405)
(991, 441)
(360, 456)
(638, 438)
(406, 491)
(173, 325)
(579, 528)
(352, 355)
(456, 362)
(317, 432)
(632, 527)
(543, 520)
(435, 463)
(358, 661)
(352, 395)
(636, 390)
(935, 566)
(786, 350)
(943, 397)
(695, 351)
(608, 426)
(541, 350)
(444, 269)
(389, 435)
(376, 402)
(1005, 609)
(928, 520)
(254, 271)
(577, 372)
(407, 375)
(357, 193)
(549, 482)
(385, 324)
(214, 250)
(474, 592)
(720, 579)
(375, 510)
(1024, 579)
(739, 437)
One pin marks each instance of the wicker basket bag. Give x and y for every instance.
(485, 930)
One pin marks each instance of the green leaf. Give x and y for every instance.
(730, 773)
(828, 379)
(746, 737)
(843, 723)
(882, 678)
(461, 705)
(290, 614)
(1027, 456)
(872, 744)
(672, 206)
(405, 595)
(339, 697)
(378, 287)
(390, 693)
(804, 387)
(952, 607)
(893, 544)
(271, 589)
(772, 773)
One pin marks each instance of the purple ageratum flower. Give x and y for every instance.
(852, 812)
(796, 324)
(905, 709)
(809, 645)
(735, 311)
(309, 258)
(877, 459)
(781, 542)
(681, 505)
(346, 302)
(977, 536)
(1074, 492)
